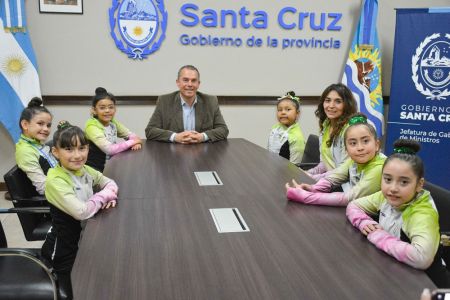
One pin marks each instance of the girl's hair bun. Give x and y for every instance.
(100, 94)
(360, 119)
(291, 96)
(100, 91)
(357, 118)
(406, 146)
(63, 124)
(35, 102)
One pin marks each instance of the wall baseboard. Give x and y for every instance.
(151, 100)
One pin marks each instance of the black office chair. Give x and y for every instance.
(23, 274)
(441, 198)
(23, 194)
(311, 155)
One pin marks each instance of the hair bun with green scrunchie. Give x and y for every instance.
(290, 95)
(405, 150)
(406, 146)
(64, 124)
(357, 119)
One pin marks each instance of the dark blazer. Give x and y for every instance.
(168, 118)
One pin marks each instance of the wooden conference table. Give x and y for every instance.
(161, 241)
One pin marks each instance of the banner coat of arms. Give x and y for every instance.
(138, 27)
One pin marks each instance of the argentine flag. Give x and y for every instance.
(362, 72)
(19, 80)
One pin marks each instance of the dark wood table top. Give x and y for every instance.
(161, 242)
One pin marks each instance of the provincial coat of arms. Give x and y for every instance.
(138, 27)
(431, 67)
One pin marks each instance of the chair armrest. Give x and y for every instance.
(26, 210)
(28, 254)
(40, 198)
(17, 251)
(445, 239)
(307, 166)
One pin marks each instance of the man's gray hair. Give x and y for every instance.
(189, 67)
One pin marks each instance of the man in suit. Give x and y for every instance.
(187, 116)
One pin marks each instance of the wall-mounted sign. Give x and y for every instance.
(138, 27)
(287, 18)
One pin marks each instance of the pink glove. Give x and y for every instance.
(358, 217)
(330, 199)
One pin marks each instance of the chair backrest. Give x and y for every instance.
(441, 198)
(312, 151)
(3, 242)
(24, 275)
(18, 184)
(22, 191)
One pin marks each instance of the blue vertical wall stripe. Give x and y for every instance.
(368, 22)
(366, 25)
(359, 35)
(13, 12)
(374, 22)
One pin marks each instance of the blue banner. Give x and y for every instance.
(419, 107)
(19, 80)
(362, 72)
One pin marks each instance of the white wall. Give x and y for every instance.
(69, 47)
(76, 54)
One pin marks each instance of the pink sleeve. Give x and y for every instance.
(330, 199)
(358, 217)
(319, 176)
(133, 136)
(113, 149)
(112, 186)
(296, 194)
(93, 205)
(319, 169)
(322, 185)
(109, 192)
(402, 251)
